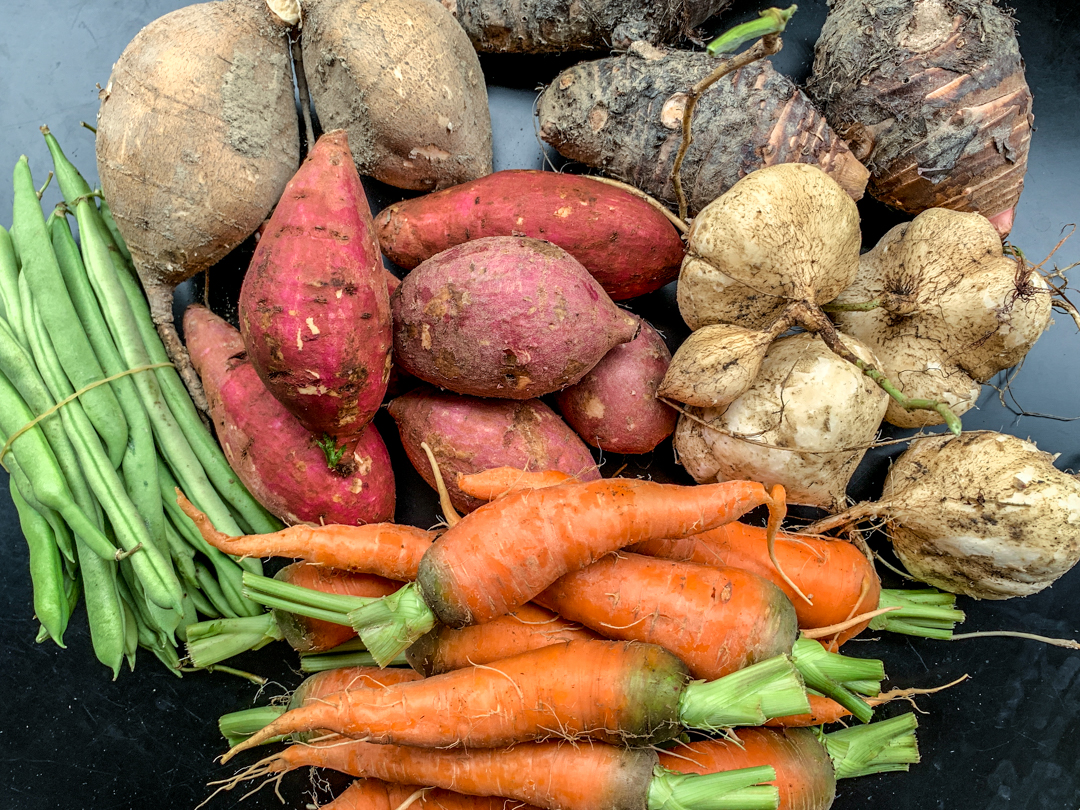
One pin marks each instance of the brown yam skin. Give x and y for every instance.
(932, 97)
(472, 434)
(405, 82)
(627, 245)
(554, 26)
(271, 452)
(197, 136)
(614, 406)
(504, 316)
(623, 115)
(314, 307)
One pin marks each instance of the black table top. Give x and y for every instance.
(1005, 738)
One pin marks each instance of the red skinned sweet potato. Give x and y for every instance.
(314, 308)
(614, 406)
(271, 452)
(471, 434)
(504, 316)
(623, 241)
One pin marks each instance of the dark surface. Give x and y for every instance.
(1006, 738)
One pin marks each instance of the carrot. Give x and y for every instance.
(823, 711)
(807, 764)
(529, 627)
(606, 690)
(375, 794)
(501, 555)
(717, 620)
(388, 549)
(488, 485)
(216, 640)
(553, 775)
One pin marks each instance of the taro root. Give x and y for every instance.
(805, 423)
(504, 316)
(623, 115)
(931, 96)
(953, 310)
(555, 26)
(983, 514)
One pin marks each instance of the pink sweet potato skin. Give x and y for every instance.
(614, 406)
(271, 452)
(624, 242)
(471, 434)
(314, 307)
(504, 316)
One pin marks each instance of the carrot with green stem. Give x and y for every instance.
(551, 775)
(619, 692)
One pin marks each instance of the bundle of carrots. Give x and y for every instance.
(668, 645)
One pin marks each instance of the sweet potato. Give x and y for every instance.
(554, 26)
(504, 316)
(403, 79)
(471, 434)
(314, 308)
(627, 244)
(271, 452)
(623, 115)
(196, 138)
(614, 406)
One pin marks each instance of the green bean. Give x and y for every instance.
(154, 568)
(163, 622)
(183, 555)
(40, 269)
(103, 609)
(202, 603)
(76, 190)
(138, 466)
(9, 286)
(46, 568)
(62, 533)
(211, 588)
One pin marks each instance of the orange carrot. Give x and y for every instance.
(606, 690)
(717, 620)
(499, 481)
(527, 628)
(375, 794)
(388, 549)
(823, 710)
(835, 574)
(553, 775)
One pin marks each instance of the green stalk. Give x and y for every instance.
(236, 727)
(390, 624)
(924, 612)
(769, 22)
(888, 745)
(327, 607)
(740, 789)
(338, 659)
(214, 641)
(827, 673)
(747, 697)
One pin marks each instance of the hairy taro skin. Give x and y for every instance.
(614, 407)
(314, 307)
(405, 82)
(472, 434)
(931, 95)
(504, 316)
(271, 452)
(624, 242)
(623, 116)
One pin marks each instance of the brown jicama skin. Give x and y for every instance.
(954, 310)
(189, 175)
(555, 26)
(411, 96)
(470, 434)
(276, 458)
(932, 97)
(614, 407)
(314, 308)
(624, 115)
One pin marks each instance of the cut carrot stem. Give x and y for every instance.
(888, 745)
(828, 673)
(925, 612)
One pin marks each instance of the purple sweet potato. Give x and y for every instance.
(504, 316)
(614, 406)
(627, 244)
(271, 452)
(314, 307)
(472, 434)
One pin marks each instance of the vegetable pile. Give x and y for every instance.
(627, 641)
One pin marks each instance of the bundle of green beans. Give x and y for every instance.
(97, 432)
